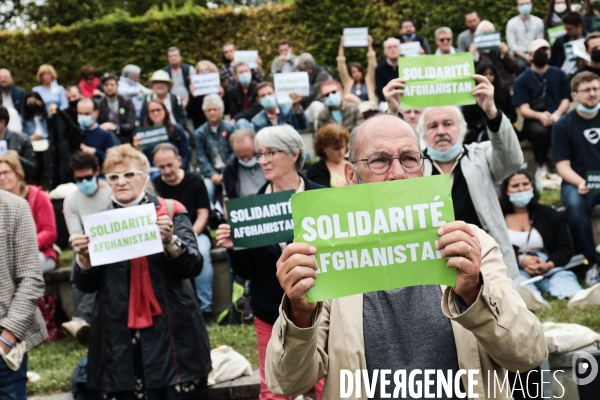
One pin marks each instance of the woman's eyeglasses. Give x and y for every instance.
(127, 176)
(269, 154)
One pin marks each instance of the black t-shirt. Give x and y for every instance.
(578, 140)
(191, 192)
(587, 68)
(529, 86)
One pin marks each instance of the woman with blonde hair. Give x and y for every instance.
(194, 107)
(52, 93)
(331, 145)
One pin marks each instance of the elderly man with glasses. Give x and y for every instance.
(481, 324)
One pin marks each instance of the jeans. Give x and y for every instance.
(579, 217)
(204, 281)
(562, 284)
(210, 188)
(13, 384)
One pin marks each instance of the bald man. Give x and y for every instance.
(480, 324)
(12, 96)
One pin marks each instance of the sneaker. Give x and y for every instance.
(592, 276)
(533, 299)
(586, 297)
(78, 329)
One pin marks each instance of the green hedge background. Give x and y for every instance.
(313, 26)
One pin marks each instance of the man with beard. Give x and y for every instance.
(592, 47)
(12, 96)
(116, 113)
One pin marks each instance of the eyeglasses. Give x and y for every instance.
(128, 176)
(589, 90)
(6, 174)
(380, 162)
(155, 110)
(84, 178)
(445, 39)
(269, 154)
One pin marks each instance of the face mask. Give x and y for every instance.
(525, 9)
(73, 104)
(408, 37)
(85, 120)
(33, 108)
(248, 164)
(540, 60)
(88, 186)
(596, 55)
(560, 8)
(245, 78)
(333, 100)
(521, 199)
(445, 156)
(268, 102)
(587, 110)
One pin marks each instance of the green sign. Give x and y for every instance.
(593, 181)
(150, 136)
(260, 220)
(377, 236)
(443, 80)
(487, 41)
(556, 32)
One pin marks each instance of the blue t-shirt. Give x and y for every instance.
(100, 140)
(530, 85)
(578, 140)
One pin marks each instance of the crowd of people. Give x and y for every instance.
(145, 319)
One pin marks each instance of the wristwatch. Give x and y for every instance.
(175, 246)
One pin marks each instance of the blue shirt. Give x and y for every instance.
(54, 95)
(530, 85)
(100, 140)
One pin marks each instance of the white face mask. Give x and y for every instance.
(560, 8)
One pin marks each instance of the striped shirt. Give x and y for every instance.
(519, 33)
(78, 204)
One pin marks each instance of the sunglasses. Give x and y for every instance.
(85, 178)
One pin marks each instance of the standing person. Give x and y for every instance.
(542, 95)
(18, 145)
(116, 113)
(576, 150)
(180, 75)
(557, 10)
(12, 96)
(92, 196)
(21, 285)
(521, 31)
(359, 85)
(194, 109)
(212, 144)
(443, 39)
(12, 179)
(161, 83)
(145, 314)
(280, 153)
(227, 71)
(242, 176)
(274, 114)
(592, 48)
(408, 34)
(336, 110)
(331, 146)
(51, 92)
(90, 85)
(188, 189)
(388, 68)
(95, 140)
(573, 24)
(465, 38)
(286, 61)
(130, 86)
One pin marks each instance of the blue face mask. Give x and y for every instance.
(445, 156)
(525, 9)
(521, 199)
(85, 120)
(587, 110)
(245, 78)
(248, 164)
(333, 100)
(268, 102)
(88, 186)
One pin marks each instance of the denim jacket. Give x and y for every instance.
(286, 116)
(209, 143)
(29, 127)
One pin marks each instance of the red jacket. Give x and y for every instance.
(45, 222)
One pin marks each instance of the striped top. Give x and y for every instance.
(78, 204)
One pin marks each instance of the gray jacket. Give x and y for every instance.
(483, 165)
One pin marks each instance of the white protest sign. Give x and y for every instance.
(356, 37)
(122, 234)
(247, 56)
(206, 83)
(410, 49)
(576, 49)
(3, 147)
(291, 82)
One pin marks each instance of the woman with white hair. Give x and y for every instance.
(280, 153)
(129, 86)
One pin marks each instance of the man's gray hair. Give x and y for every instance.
(173, 48)
(483, 25)
(285, 138)
(305, 61)
(165, 147)
(391, 39)
(241, 134)
(239, 64)
(462, 124)
(213, 99)
(131, 69)
(443, 29)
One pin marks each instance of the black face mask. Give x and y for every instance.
(540, 60)
(596, 55)
(73, 104)
(33, 108)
